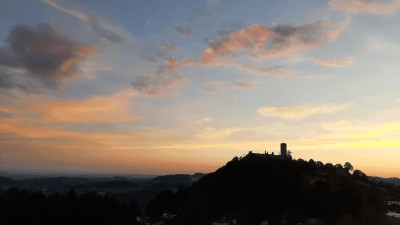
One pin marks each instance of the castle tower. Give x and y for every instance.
(283, 149)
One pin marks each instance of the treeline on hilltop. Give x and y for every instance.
(21, 207)
(253, 189)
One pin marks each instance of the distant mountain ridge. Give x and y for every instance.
(182, 179)
(390, 180)
(142, 188)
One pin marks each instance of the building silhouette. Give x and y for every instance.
(283, 149)
(284, 153)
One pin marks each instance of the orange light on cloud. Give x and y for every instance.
(114, 108)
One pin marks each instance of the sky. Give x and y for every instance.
(161, 87)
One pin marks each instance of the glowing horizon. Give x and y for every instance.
(155, 87)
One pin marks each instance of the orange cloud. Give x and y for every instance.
(108, 109)
(280, 71)
(23, 128)
(366, 6)
(272, 41)
(262, 41)
(252, 37)
(95, 109)
(246, 85)
(334, 62)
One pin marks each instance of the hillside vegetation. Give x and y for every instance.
(280, 191)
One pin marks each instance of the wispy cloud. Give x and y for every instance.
(297, 112)
(187, 28)
(185, 31)
(103, 28)
(214, 87)
(256, 41)
(279, 71)
(334, 62)
(166, 49)
(204, 121)
(366, 6)
(272, 41)
(163, 80)
(210, 133)
(213, 2)
(23, 128)
(287, 40)
(252, 38)
(108, 109)
(164, 52)
(246, 85)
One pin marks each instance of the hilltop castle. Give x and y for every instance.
(285, 154)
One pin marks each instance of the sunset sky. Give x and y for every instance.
(159, 87)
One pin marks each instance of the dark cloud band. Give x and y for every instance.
(43, 53)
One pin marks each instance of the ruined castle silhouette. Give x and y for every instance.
(285, 154)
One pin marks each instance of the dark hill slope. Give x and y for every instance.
(282, 191)
(390, 180)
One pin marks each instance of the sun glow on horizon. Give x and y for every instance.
(134, 88)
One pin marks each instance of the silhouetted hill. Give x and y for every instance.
(5, 181)
(124, 188)
(114, 184)
(176, 180)
(253, 189)
(391, 180)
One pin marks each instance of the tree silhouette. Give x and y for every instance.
(339, 166)
(358, 174)
(329, 165)
(348, 166)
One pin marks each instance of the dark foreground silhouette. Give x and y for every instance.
(250, 190)
(281, 191)
(26, 208)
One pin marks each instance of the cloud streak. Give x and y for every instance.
(279, 71)
(334, 62)
(101, 27)
(214, 87)
(297, 112)
(366, 6)
(187, 28)
(246, 85)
